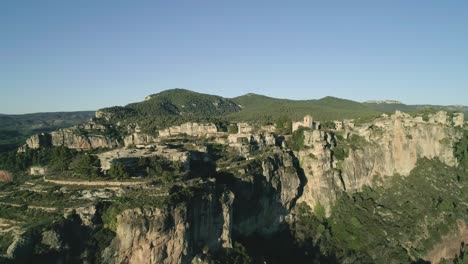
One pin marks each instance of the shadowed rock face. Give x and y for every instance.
(256, 201)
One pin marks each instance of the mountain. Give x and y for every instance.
(328, 108)
(178, 102)
(175, 106)
(14, 129)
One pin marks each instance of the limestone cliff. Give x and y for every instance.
(174, 234)
(387, 146)
(70, 138)
(190, 129)
(256, 200)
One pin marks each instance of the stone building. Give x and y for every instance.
(308, 122)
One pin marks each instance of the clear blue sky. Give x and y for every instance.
(84, 55)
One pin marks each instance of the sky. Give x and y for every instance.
(85, 55)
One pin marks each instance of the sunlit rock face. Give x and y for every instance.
(392, 146)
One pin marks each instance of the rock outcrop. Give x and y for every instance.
(458, 119)
(5, 176)
(386, 147)
(70, 138)
(174, 234)
(139, 139)
(190, 129)
(265, 190)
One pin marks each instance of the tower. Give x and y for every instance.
(308, 121)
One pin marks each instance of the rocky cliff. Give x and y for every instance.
(190, 129)
(256, 200)
(174, 234)
(388, 146)
(71, 138)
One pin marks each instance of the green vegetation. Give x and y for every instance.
(297, 140)
(235, 255)
(56, 158)
(284, 125)
(117, 171)
(461, 150)
(421, 110)
(375, 225)
(87, 166)
(341, 146)
(5, 241)
(233, 129)
(176, 106)
(266, 109)
(109, 217)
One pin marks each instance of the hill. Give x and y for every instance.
(14, 129)
(171, 107)
(176, 106)
(328, 108)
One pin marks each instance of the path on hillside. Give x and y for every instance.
(96, 183)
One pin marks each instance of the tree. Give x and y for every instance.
(233, 129)
(284, 125)
(88, 165)
(117, 171)
(60, 158)
(168, 177)
(297, 141)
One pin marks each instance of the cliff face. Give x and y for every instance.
(265, 192)
(136, 139)
(256, 201)
(388, 146)
(190, 129)
(70, 138)
(174, 234)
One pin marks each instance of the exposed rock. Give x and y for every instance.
(190, 129)
(389, 146)
(37, 171)
(265, 192)
(383, 102)
(458, 119)
(36, 141)
(130, 157)
(449, 246)
(5, 176)
(51, 239)
(71, 139)
(348, 123)
(244, 128)
(172, 235)
(139, 139)
(87, 214)
(104, 115)
(247, 144)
